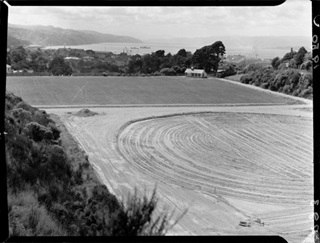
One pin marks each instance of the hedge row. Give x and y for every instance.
(289, 81)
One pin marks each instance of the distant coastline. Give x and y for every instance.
(173, 48)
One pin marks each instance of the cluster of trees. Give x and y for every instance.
(290, 74)
(300, 60)
(22, 59)
(52, 62)
(289, 81)
(54, 192)
(156, 63)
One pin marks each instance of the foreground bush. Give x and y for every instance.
(28, 218)
(137, 217)
(52, 189)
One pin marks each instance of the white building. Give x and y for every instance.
(34, 47)
(71, 58)
(9, 69)
(196, 73)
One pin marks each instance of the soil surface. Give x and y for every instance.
(224, 164)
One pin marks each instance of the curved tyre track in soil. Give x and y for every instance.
(225, 167)
(252, 157)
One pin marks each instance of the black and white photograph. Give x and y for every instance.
(160, 120)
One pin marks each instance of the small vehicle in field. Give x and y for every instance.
(245, 224)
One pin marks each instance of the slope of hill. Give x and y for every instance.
(15, 42)
(54, 191)
(49, 35)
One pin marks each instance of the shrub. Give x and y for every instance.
(55, 131)
(296, 92)
(253, 67)
(286, 89)
(245, 79)
(37, 132)
(275, 62)
(168, 72)
(58, 163)
(12, 99)
(137, 217)
(157, 73)
(25, 106)
(22, 115)
(230, 69)
(28, 218)
(306, 93)
(264, 85)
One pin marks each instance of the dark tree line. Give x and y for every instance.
(207, 58)
(285, 75)
(293, 59)
(156, 63)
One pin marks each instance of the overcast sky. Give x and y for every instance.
(293, 18)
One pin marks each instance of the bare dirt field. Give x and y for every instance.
(224, 164)
(229, 153)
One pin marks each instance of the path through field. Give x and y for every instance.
(225, 164)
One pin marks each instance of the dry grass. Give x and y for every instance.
(28, 218)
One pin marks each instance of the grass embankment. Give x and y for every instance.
(53, 190)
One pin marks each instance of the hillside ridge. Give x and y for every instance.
(50, 35)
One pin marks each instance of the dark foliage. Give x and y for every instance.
(288, 81)
(59, 67)
(54, 62)
(229, 69)
(64, 198)
(275, 62)
(208, 57)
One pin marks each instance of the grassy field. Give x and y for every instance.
(236, 77)
(133, 90)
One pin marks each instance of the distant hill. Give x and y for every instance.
(15, 42)
(51, 36)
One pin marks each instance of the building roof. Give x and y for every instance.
(34, 46)
(71, 58)
(189, 70)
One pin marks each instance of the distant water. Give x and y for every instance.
(133, 48)
(173, 48)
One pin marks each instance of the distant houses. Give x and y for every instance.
(10, 70)
(34, 47)
(72, 58)
(195, 73)
(87, 58)
(220, 71)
